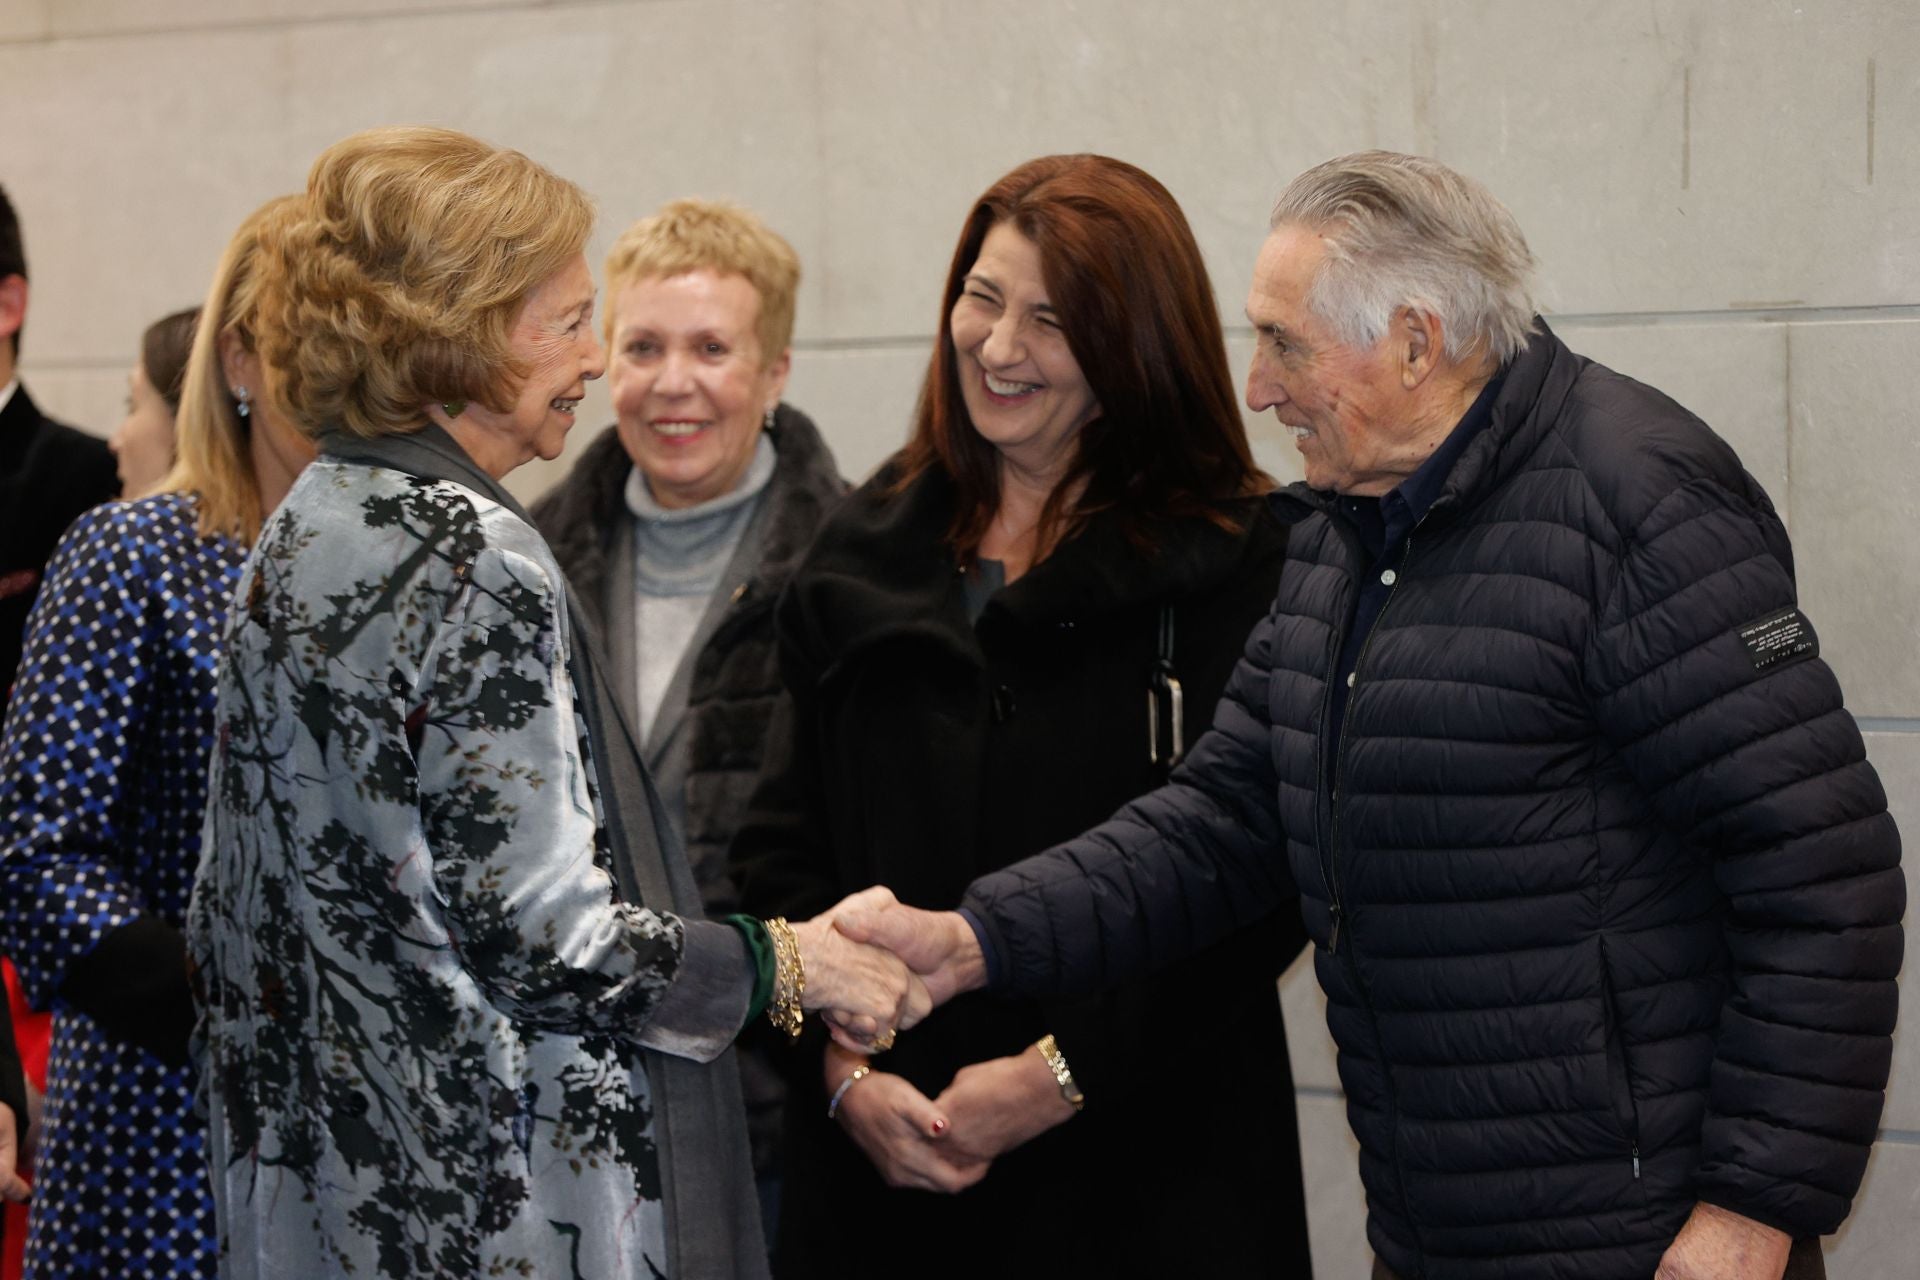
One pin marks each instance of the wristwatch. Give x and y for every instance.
(1057, 1063)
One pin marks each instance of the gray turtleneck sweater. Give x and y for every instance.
(680, 556)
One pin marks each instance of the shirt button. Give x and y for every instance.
(1350, 676)
(1388, 577)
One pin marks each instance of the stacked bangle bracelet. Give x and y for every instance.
(789, 977)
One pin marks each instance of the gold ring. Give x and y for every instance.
(883, 1041)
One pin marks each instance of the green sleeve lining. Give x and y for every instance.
(760, 946)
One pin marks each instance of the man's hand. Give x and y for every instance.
(11, 1186)
(900, 1131)
(1718, 1244)
(938, 945)
(863, 993)
(997, 1105)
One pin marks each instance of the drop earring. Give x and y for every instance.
(768, 424)
(242, 403)
(454, 408)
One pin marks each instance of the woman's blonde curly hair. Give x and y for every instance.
(400, 286)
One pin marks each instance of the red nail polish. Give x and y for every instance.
(939, 1126)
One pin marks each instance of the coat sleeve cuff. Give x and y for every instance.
(760, 954)
(133, 985)
(989, 944)
(705, 1006)
(1720, 1198)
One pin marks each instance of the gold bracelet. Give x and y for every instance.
(789, 977)
(1057, 1063)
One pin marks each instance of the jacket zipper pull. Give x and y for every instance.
(1333, 947)
(1636, 1161)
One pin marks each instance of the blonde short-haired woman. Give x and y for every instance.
(103, 779)
(681, 523)
(464, 1015)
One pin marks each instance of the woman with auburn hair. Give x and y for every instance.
(1015, 627)
(463, 1014)
(103, 781)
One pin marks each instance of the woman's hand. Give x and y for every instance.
(996, 1105)
(36, 1115)
(11, 1185)
(864, 994)
(901, 1132)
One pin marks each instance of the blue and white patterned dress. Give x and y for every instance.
(103, 775)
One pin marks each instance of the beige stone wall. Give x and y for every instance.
(1724, 195)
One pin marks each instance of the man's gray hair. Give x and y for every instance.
(1406, 231)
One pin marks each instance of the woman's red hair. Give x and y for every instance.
(1127, 281)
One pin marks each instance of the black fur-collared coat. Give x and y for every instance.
(735, 677)
(925, 750)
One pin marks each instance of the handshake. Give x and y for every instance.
(874, 966)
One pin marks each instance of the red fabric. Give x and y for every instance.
(31, 1030)
(30, 1033)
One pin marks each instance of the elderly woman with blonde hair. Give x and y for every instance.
(103, 783)
(463, 1013)
(680, 525)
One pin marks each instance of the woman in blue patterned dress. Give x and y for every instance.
(103, 773)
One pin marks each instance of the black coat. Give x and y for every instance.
(49, 474)
(735, 684)
(1617, 895)
(736, 676)
(924, 751)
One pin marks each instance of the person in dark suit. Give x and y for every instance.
(49, 472)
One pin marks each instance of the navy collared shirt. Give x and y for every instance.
(1385, 524)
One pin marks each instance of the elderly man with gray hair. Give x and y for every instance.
(1605, 894)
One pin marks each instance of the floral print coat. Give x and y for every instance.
(423, 1001)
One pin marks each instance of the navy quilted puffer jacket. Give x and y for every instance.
(1616, 892)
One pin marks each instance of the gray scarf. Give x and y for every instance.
(700, 1132)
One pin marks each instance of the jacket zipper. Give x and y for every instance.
(1324, 836)
(1331, 860)
(1616, 1051)
(1333, 884)
(1323, 818)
